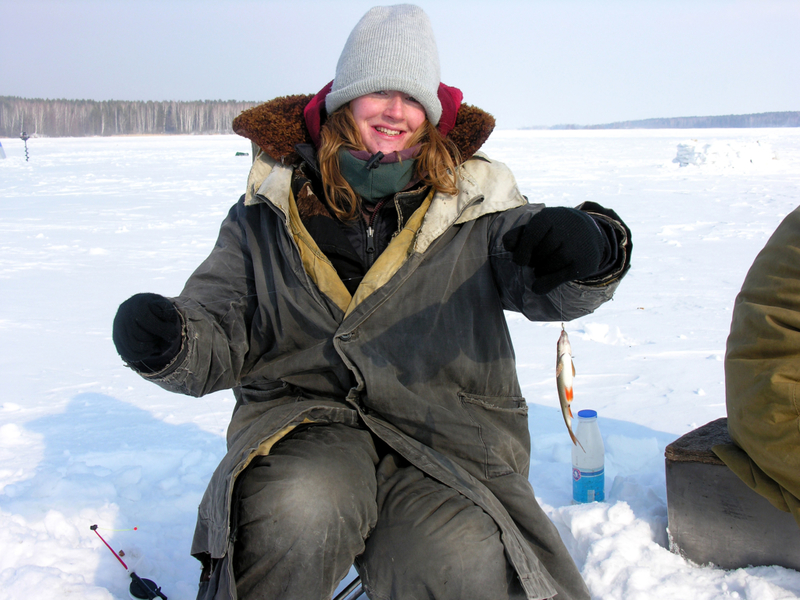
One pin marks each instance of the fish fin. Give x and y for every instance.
(568, 395)
(559, 368)
(573, 369)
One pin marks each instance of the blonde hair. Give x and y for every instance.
(435, 162)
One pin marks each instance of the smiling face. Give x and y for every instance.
(387, 120)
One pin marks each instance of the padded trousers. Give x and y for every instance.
(324, 499)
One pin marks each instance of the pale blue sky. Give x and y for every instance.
(536, 62)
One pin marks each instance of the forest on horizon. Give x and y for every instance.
(79, 118)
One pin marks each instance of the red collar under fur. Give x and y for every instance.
(279, 125)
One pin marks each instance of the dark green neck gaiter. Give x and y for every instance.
(383, 179)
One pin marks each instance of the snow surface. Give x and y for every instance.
(88, 222)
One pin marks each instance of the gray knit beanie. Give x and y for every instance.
(391, 48)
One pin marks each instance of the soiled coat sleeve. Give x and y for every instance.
(567, 301)
(217, 306)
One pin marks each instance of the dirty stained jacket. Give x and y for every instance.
(420, 354)
(762, 373)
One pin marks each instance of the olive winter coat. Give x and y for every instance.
(762, 372)
(421, 354)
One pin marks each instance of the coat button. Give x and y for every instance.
(345, 337)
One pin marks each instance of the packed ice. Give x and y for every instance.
(87, 222)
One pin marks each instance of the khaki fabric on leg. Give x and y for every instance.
(302, 514)
(432, 542)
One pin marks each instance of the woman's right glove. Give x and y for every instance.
(147, 332)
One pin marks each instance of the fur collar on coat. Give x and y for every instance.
(279, 125)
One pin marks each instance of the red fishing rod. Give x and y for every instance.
(143, 589)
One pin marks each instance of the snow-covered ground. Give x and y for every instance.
(88, 222)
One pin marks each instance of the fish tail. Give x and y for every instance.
(575, 440)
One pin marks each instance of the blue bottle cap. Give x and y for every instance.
(587, 414)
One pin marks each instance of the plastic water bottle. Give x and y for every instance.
(588, 477)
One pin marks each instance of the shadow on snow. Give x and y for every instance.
(110, 463)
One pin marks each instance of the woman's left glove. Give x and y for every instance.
(147, 332)
(560, 245)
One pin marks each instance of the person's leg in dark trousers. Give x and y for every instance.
(302, 513)
(430, 542)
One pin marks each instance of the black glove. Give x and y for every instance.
(559, 244)
(147, 332)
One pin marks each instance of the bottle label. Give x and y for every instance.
(588, 486)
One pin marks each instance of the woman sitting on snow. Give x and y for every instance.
(354, 302)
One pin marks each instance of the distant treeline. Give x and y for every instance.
(76, 118)
(770, 119)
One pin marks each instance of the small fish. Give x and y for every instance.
(565, 371)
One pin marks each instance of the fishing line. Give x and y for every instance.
(561, 305)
